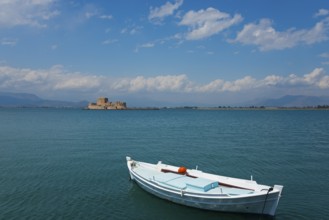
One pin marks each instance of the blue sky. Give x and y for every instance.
(176, 52)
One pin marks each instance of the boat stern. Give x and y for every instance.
(272, 206)
(279, 188)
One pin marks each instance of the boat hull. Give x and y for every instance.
(254, 204)
(260, 202)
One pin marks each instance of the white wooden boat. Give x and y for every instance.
(192, 187)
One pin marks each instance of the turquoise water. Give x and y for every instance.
(70, 164)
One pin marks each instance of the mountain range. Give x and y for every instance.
(8, 99)
(294, 101)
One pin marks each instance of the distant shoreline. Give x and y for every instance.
(252, 108)
(176, 108)
(126, 109)
(257, 108)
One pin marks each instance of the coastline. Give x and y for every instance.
(177, 108)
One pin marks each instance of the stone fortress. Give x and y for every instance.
(104, 104)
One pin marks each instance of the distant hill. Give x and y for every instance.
(30, 100)
(294, 101)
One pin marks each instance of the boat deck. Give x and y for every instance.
(186, 183)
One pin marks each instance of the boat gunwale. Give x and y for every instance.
(215, 177)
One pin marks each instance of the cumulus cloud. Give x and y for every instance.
(181, 83)
(324, 82)
(26, 13)
(57, 80)
(322, 12)
(158, 13)
(166, 83)
(205, 23)
(220, 85)
(272, 80)
(316, 79)
(47, 80)
(265, 37)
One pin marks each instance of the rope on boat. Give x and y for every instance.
(268, 191)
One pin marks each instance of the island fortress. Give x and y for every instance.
(104, 104)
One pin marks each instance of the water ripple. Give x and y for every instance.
(70, 164)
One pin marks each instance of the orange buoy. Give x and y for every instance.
(182, 170)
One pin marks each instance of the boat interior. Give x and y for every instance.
(187, 183)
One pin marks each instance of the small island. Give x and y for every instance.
(104, 104)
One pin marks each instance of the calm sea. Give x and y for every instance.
(70, 164)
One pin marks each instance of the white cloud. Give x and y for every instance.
(32, 13)
(158, 13)
(265, 37)
(132, 30)
(48, 80)
(205, 23)
(83, 13)
(220, 85)
(110, 41)
(89, 11)
(324, 82)
(313, 76)
(77, 81)
(57, 80)
(181, 83)
(108, 17)
(146, 45)
(213, 86)
(324, 55)
(166, 83)
(272, 80)
(322, 12)
(316, 79)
